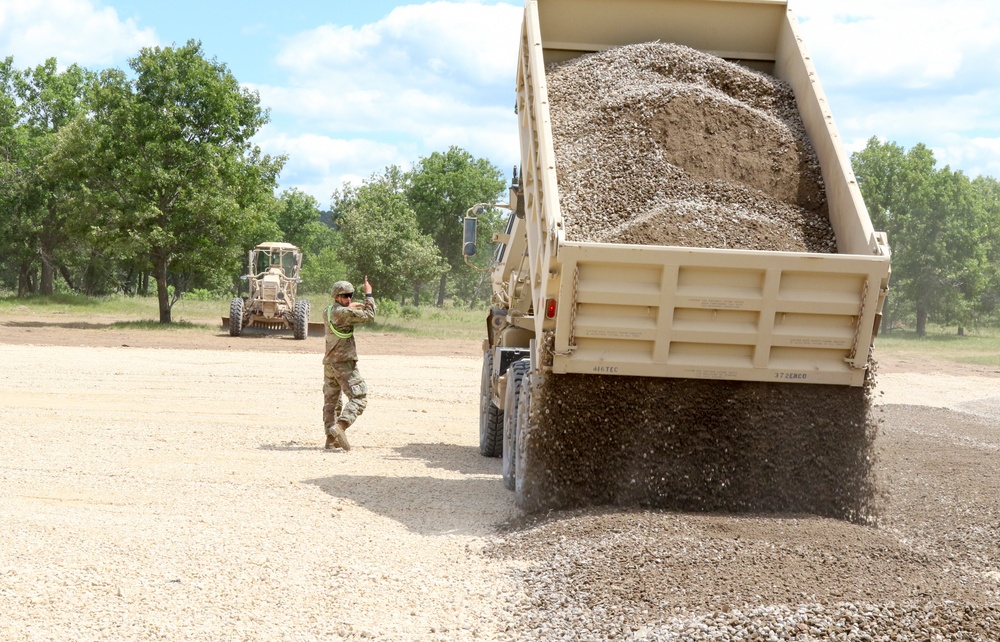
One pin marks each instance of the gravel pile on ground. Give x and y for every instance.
(661, 144)
(928, 570)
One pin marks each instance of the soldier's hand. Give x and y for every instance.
(367, 286)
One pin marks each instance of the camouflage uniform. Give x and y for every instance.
(340, 364)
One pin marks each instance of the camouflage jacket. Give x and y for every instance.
(340, 322)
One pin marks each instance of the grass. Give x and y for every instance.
(980, 347)
(143, 313)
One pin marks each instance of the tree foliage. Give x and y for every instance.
(168, 162)
(380, 237)
(938, 224)
(440, 189)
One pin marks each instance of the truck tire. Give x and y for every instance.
(490, 417)
(521, 459)
(301, 319)
(511, 416)
(236, 317)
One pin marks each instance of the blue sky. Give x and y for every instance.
(356, 86)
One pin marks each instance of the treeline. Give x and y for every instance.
(149, 182)
(944, 232)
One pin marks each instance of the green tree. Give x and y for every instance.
(172, 176)
(299, 220)
(440, 189)
(39, 102)
(379, 236)
(935, 229)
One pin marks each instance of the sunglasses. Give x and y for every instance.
(349, 296)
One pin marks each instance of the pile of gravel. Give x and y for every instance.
(660, 144)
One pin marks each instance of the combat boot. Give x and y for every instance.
(341, 436)
(331, 439)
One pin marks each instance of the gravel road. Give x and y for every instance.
(180, 492)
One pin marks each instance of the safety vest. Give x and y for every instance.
(338, 333)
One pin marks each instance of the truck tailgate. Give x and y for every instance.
(717, 314)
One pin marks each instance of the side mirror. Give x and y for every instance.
(469, 240)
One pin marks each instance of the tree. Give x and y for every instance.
(934, 227)
(380, 237)
(38, 103)
(299, 220)
(168, 164)
(440, 189)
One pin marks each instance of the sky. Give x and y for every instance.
(354, 87)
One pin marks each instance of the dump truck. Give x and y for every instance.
(272, 300)
(624, 371)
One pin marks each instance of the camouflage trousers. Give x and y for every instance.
(342, 380)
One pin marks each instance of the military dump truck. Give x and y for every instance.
(686, 296)
(271, 302)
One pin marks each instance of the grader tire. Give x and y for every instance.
(516, 376)
(236, 317)
(490, 417)
(301, 328)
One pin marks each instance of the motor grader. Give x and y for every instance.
(271, 302)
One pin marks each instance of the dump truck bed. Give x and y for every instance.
(663, 311)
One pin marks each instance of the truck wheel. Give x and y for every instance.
(236, 317)
(301, 319)
(521, 460)
(511, 416)
(490, 417)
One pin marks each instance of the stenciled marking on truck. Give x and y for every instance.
(606, 369)
(720, 304)
(701, 373)
(818, 342)
(614, 333)
(800, 376)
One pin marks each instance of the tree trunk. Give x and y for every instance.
(961, 331)
(441, 289)
(45, 283)
(162, 293)
(416, 295)
(921, 320)
(67, 277)
(25, 280)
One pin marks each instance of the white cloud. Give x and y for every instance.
(911, 72)
(72, 31)
(425, 77)
(906, 44)
(319, 164)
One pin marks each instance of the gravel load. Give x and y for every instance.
(702, 445)
(660, 144)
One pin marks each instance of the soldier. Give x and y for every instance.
(340, 363)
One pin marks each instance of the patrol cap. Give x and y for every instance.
(342, 287)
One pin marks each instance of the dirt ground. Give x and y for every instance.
(172, 485)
